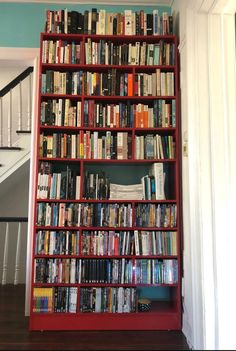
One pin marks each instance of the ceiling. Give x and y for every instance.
(104, 2)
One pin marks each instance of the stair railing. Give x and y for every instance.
(5, 261)
(24, 120)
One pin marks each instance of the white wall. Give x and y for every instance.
(191, 283)
(207, 49)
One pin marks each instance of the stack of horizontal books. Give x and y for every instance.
(126, 192)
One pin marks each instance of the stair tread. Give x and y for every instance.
(23, 131)
(17, 148)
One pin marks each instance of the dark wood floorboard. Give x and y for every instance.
(14, 333)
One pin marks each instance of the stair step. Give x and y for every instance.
(23, 131)
(15, 148)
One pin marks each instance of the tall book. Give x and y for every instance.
(157, 170)
(128, 22)
(101, 23)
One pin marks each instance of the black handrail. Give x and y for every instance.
(13, 219)
(16, 81)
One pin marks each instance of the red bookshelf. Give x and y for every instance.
(104, 123)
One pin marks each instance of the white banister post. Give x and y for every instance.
(1, 123)
(29, 104)
(18, 247)
(9, 130)
(5, 256)
(20, 107)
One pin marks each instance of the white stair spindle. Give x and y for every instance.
(20, 107)
(18, 247)
(29, 104)
(9, 129)
(5, 256)
(1, 123)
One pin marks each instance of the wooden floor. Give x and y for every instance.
(14, 334)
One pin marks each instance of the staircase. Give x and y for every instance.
(15, 147)
(15, 123)
(15, 157)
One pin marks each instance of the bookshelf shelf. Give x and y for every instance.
(84, 285)
(105, 160)
(103, 228)
(107, 216)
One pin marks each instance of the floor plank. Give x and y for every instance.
(14, 333)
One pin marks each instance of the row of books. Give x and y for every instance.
(156, 271)
(62, 242)
(154, 147)
(106, 145)
(104, 242)
(86, 145)
(56, 82)
(155, 215)
(56, 299)
(60, 145)
(160, 113)
(60, 299)
(64, 112)
(111, 215)
(96, 186)
(60, 112)
(108, 299)
(105, 271)
(102, 22)
(153, 188)
(64, 184)
(117, 83)
(135, 242)
(108, 53)
(84, 214)
(114, 82)
(61, 51)
(139, 53)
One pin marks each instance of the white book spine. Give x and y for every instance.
(128, 22)
(136, 242)
(77, 189)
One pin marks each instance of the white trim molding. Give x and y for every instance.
(24, 55)
(211, 124)
(222, 98)
(32, 185)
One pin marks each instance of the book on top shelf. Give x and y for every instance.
(102, 22)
